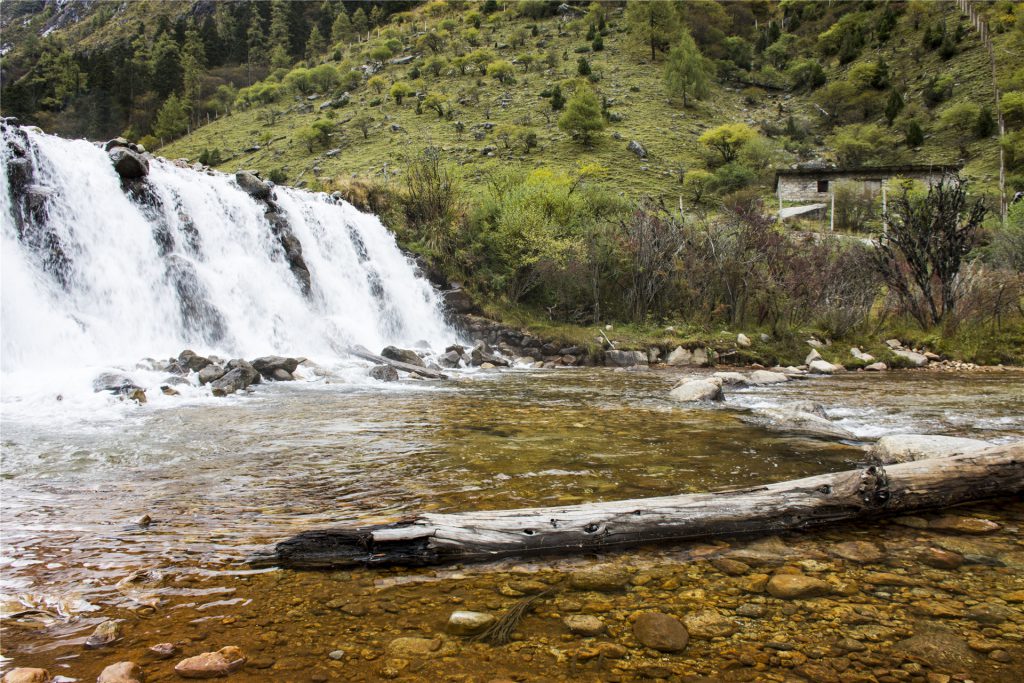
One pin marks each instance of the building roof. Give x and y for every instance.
(881, 171)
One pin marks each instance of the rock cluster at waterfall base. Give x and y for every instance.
(223, 377)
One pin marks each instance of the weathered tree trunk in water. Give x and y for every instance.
(474, 536)
(361, 352)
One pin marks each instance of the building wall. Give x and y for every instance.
(801, 189)
(805, 188)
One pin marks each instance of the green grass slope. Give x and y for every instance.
(624, 75)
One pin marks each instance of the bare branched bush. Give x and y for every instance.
(920, 254)
(652, 242)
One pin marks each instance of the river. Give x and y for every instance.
(220, 478)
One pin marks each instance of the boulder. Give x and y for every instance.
(681, 357)
(253, 186)
(800, 422)
(121, 672)
(897, 448)
(863, 552)
(459, 301)
(268, 365)
(106, 633)
(211, 373)
(861, 356)
(240, 374)
(797, 586)
(465, 623)
(586, 625)
(482, 354)
(419, 648)
(732, 379)
(450, 359)
(637, 149)
(114, 382)
(812, 356)
(709, 624)
(602, 578)
(281, 375)
(26, 674)
(876, 367)
(211, 664)
(918, 360)
(128, 164)
(406, 356)
(823, 367)
(384, 373)
(762, 377)
(698, 390)
(193, 361)
(163, 650)
(743, 341)
(116, 142)
(660, 632)
(894, 343)
(624, 359)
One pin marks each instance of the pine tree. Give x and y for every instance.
(193, 64)
(359, 22)
(582, 117)
(166, 66)
(652, 23)
(686, 70)
(557, 99)
(256, 43)
(341, 29)
(376, 15)
(316, 44)
(280, 36)
(893, 106)
(171, 120)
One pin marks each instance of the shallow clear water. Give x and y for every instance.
(220, 478)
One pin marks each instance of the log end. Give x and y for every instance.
(344, 548)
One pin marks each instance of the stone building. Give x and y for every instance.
(810, 188)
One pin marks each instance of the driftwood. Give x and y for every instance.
(362, 352)
(822, 499)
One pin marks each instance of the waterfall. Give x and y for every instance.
(102, 272)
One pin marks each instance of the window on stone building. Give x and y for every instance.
(822, 186)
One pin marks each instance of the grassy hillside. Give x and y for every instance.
(622, 73)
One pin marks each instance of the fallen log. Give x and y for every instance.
(822, 499)
(362, 352)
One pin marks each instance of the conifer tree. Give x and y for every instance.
(652, 24)
(171, 120)
(193, 65)
(686, 70)
(341, 29)
(582, 117)
(359, 22)
(316, 44)
(280, 36)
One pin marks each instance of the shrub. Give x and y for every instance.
(727, 140)
(400, 90)
(937, 89)
(861, 143)
(924, 245)
(502, 71)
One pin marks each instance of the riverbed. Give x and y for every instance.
(221, 478)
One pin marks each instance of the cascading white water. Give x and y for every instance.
(195, 264)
